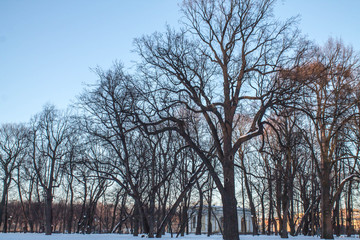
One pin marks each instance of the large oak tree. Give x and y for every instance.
(221, 65)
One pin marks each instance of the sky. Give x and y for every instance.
(48, 48)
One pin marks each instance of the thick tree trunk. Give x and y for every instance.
(136, 221)
(144, 221)
(284, 231)
(48, 212)
(326, 208)
(230, 230)
(5, 215)
(91, 217)
(151, 216)
(3, 199)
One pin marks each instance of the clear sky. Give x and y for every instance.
(47, 48)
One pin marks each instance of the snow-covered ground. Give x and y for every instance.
(37, 236)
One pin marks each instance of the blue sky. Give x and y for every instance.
(48, 47)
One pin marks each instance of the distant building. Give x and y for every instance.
(217, 219)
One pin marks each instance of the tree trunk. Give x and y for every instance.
(5, 215)
(278, 197)
(336, 210)
(144, 221)
(313, 193)
(243, 219)
(3, 199)
(262, 215)
(291, 217)
(71, 212)
(326, 208)
(151, 215)
(200, 210)
(152, 197)
(270, 206)
(136, 221)
(284, 231)
(348, 211)
(209, 230)
(306, 205)
(231, 231)
(184, 217)
(48, 212)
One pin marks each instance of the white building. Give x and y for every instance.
(217, 219)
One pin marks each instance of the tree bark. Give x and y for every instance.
(3, 199)
(348, 211)
(326, 208)
(285, 206)
(270, 206)
(48, 212)
(231, 231)
(200, 210)
(184, 217)
(136, 221)
(5, 215)
(209, 230)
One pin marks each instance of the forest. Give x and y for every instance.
(235, 109)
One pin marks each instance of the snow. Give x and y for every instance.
(37, 236)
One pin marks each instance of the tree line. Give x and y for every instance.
(236, 105)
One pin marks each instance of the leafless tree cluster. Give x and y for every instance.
(236, 106)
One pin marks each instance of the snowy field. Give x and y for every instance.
(37, 236)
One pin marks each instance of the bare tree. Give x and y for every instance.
(221, 65)
(284, 146)
(329, 102)
(12, 145)
(139, 163)
(49, 133)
